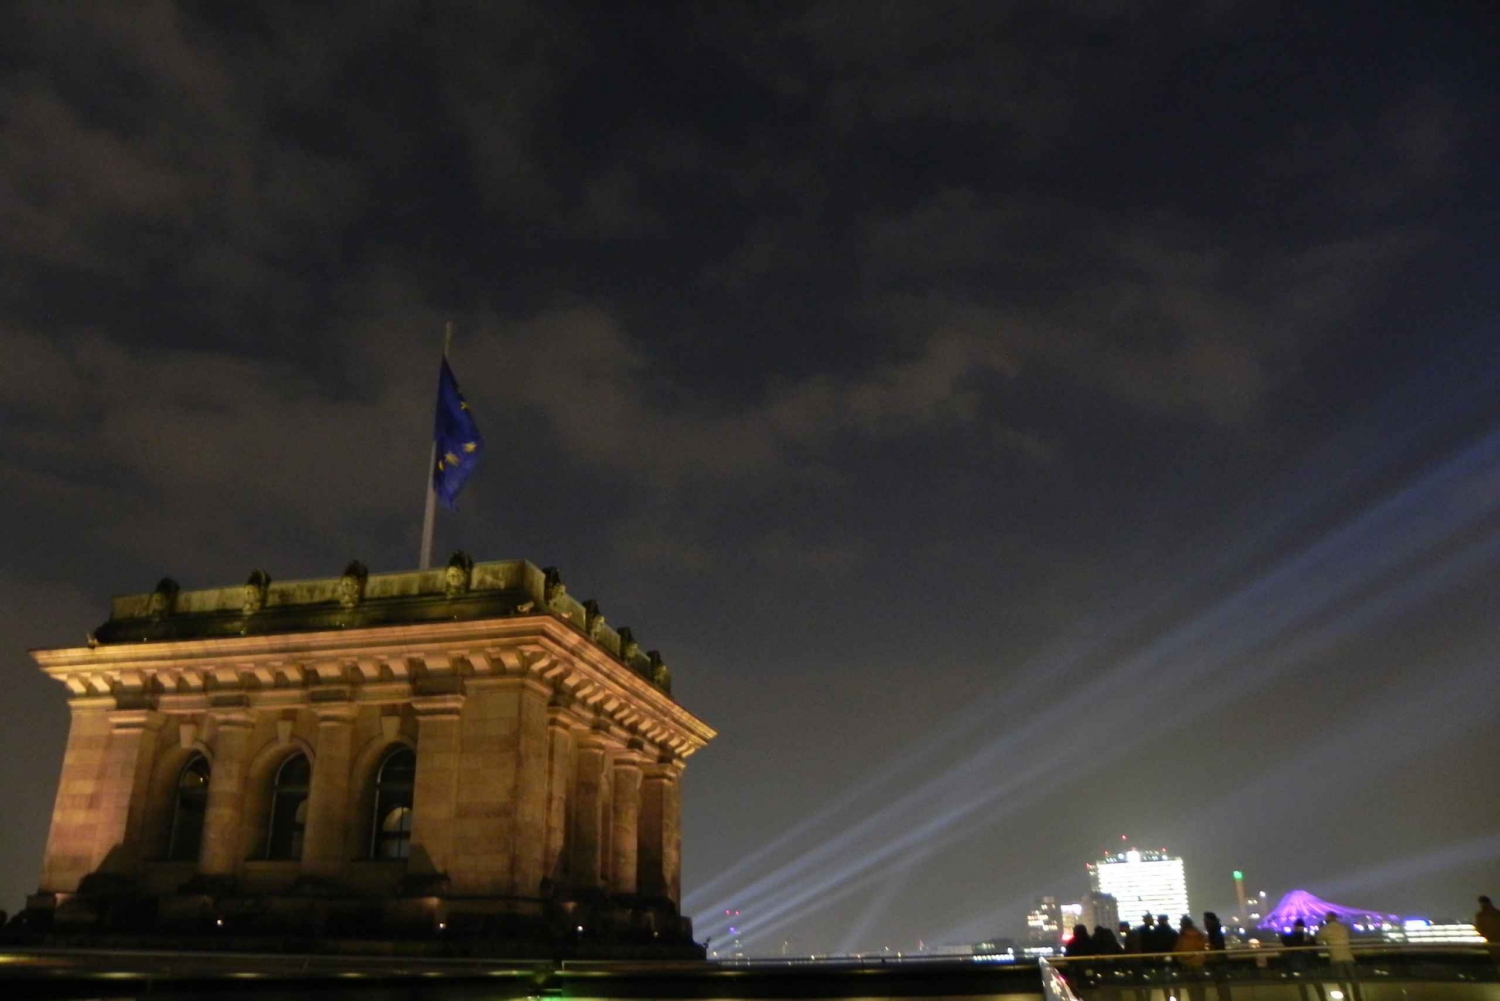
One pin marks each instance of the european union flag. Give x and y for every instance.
(458, 440)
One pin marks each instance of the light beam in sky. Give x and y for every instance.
(1397, 554)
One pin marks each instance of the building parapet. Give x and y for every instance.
(462, 590)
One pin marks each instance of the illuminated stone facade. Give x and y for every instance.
(465, 753)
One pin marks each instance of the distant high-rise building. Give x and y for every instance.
(1044, 922)
(1141, 882)
(1070, 915)
(1099, 910)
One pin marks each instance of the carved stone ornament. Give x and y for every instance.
(163, 600)
(352, 584)
(629, 648)
(593, 619)
(254, 592)
(661, 677)
(552, 587)
(458, 575)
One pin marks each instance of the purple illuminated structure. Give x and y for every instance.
(1301, 904)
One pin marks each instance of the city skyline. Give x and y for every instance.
(1016, 424)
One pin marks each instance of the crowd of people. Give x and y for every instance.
(1191, 948)
(1152, 936)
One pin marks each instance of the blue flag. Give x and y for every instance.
(457, 437)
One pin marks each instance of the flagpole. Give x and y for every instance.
(429, 516)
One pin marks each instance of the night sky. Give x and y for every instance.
(1015, 428)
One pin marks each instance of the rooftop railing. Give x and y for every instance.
(1272, 973)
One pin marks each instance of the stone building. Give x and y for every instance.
(465, 753)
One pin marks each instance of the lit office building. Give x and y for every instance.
(1044, 922)
(1070, 915)
(1424, 932)
(1142, 882)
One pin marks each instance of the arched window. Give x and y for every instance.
(189, 804)
(288, 809)
(390, 834)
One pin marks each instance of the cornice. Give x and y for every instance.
(386, 663)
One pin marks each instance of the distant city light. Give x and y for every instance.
(1299, 904)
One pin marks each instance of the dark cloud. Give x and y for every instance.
(858, 351)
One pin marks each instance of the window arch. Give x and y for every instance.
(390, 828)
(288, 809)
(189, 805)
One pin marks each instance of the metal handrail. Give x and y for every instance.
(1272, 951)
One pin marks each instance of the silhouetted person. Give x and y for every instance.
(1334, 936)
(1079, 946)
(1104, 942)
(1164, 938)
(1299, 963)
(1193, 942)
(1130, 939)
(1145, 934)
(1487, 921)
(1192, 952)
(1214, 930)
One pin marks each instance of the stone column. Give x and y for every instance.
(70, 841)
(123, 787)
(324, 838)
(560, 775)
(436, 787)
(659, 864)
(587, 868)
(606, 821)
(624, 818)
(672, 848)
(223, 821)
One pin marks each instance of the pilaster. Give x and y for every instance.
(324, 839)
(527, 837)
(560, 780)
(436, 789)
(123, 788)
(75, 826)
(659, 863)
(624, 818)
(586, 869)
(223, 820)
